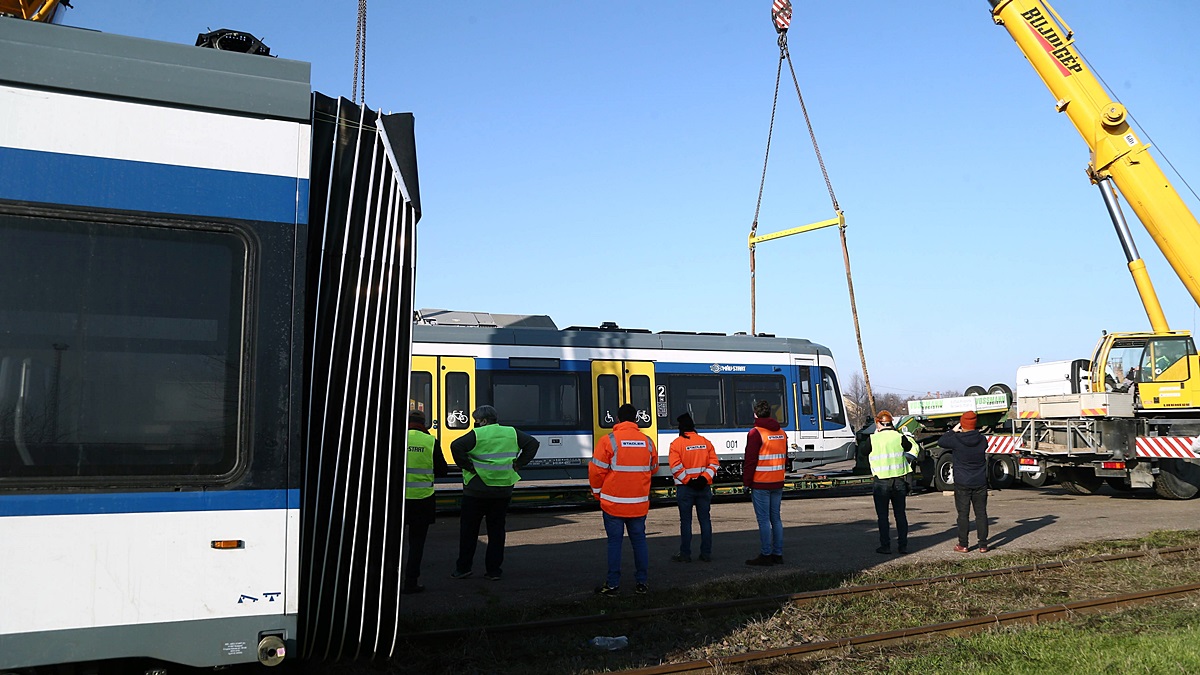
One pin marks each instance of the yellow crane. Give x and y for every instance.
(33, 10)
(1164, 362)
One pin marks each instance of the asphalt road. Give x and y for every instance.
(559, 554)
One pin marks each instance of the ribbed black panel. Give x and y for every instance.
(359, 290)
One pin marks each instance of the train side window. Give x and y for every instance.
(639, 396)
(831, 397)
(458, 401)
(608, 392)
(122, 349)
(698, 395)
(420, 393)
(806, 400)
(748, 389)
(537, 401)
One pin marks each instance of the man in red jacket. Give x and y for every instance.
(620, 472)
(763, 472)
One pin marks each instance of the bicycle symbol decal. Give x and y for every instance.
(457, 417)
(643, 417)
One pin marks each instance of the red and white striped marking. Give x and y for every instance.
(1168, 446)
(1003, 445)
(781, 14)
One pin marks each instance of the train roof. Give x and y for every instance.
(439, 325)
(117, 66)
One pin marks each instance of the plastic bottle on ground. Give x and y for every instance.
(612, 644)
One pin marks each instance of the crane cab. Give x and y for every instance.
(1161, 369)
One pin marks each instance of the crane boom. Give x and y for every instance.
(1116, 151)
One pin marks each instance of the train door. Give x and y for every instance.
(443, 387)
(804, 400)
(615, 383)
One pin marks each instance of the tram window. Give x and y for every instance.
(608, 399)
(831, 397)
(537, 401)
(120, 349)
(699, 396)
(457, 412)
(420, 393)
(747, 390)
(639, 396)
(806, 401)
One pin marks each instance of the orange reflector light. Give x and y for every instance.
(229, 543)
(1112, 465)
(1028, 461)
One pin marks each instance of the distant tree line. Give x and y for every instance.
(858, 409)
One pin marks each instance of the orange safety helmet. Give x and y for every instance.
(884, 417)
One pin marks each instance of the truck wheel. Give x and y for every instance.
(943, 472)
(1078, 481)
(1036, 480)
(1001, 388)
(1177, 479)
(927, 467)
(975, 390)
(1002, 472)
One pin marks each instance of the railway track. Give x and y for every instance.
(743, 604)
(979, 624)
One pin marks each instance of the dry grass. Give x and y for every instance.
(688, 635)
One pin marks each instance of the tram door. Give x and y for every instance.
(443, 387)
(615, 383)
(805, 403)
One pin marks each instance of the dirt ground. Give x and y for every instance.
(559, 554)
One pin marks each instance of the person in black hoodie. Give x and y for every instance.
(969, 448)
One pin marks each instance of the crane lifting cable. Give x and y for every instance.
(781, 17)
(360, 55)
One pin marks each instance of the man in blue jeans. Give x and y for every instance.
(763, 472)
(694, 465)
(622, 465)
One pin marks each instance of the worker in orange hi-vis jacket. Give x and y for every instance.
(694, 464)
(620, 472)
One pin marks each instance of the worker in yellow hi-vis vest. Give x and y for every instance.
(890, 465)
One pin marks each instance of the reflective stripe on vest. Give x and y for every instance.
(772, 457)
(493, 455)
(418, 472)
(887, 454)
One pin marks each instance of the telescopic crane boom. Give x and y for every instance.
(1116, 152)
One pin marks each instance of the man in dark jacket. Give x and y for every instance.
(489, 456)
(969, 452)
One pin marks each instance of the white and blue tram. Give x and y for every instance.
(564, 386)
(195, 396)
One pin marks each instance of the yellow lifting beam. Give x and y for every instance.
(840, 221)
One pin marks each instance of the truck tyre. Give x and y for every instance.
(926, 467)
(943, 472)
(975, 390)
(1177, 479)
(1078, 481)
(1036, 480)
(1002, 472)
(1001, 388)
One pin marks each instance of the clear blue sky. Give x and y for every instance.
(600, 161)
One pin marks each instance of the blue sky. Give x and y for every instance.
(600, 161)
